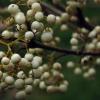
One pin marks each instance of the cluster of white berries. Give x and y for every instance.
(86, 68)
(40, 75)
(25, 73)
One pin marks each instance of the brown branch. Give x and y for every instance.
(59, 9)
(35, 44)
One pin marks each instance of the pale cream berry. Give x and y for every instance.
(91, 71)
(51, 19)
(90, 47)
(86, 75)
(74, 47)
(35, 25)
(39, 16)
(98, 45)
(84, 31)
(5, 60)
(55, 73)
(74, 41)
(94, 41)
(37, 73)
(97, 29)
(92, 34)
(15, 58)
(20, 18)
(21, 74)
(64, 17)
(7, 34)
(24, 62)
(63, 88)
(77, 71)
(64, 27)
(4, 75)
(46, 36)
(75, 35)
(9, 80)
(45, 75)
(28, 56)
(58, 20)
(35, 64)
(66, 82)
(28, 89)
(38, 59)
(20, 95)
(28, 81)
(29, 35)
(36, 82)
(30, 2)
(70, 64)
(36, 7)
(98, 61)
(19, 83)
(13, 8)
(57, 66)
(3, 85)
(51, 89)
(42, 85)
(2, 54)
(57, 39)
(29, 14)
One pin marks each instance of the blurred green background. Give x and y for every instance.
(79, 88)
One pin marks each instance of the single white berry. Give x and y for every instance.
(42, 85)
(77, 71)
(28, 89)
(28, 81)
(91, 71)
(35, 25)
(70, 64)
(21, 75)
(19, 83)
(51, 89)
(29, 35)
(13, 8)
(7, 34)
(51, 18)
(39, 16)
(73, 41)
(20, 95)
(15, 58)
(45, 75)
(5, 60)
(47, 37)
(2, 54)
(57, 66)
(62, 87)
(36, 82)
(29, 56)
(9, 80)
(30, 2)
(20, 18)
(36, 7)
(98, 45)
(24, 62)
(98, 61)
